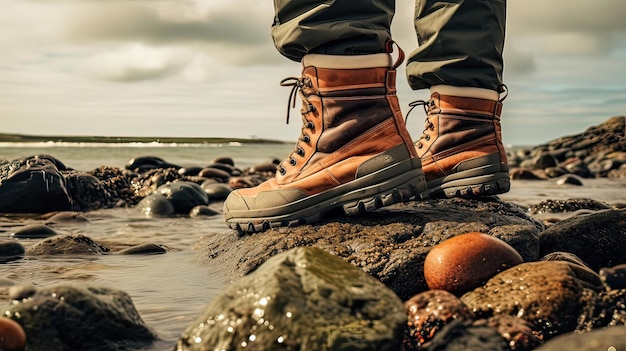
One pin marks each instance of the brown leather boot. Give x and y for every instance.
(354, 154)
(461, 147)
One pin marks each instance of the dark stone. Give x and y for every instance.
(203, 211)
(184, 195)
(190, 171)
(34, 231)
(390, 244)
(570, 205)
(144, 249)
(547, 294)
(608, 339)
(67, 245)
(214, 173)
(464, 336)
(303, 299)
(544, 161)
(516, 331)
(156, 205)
(614, 277)
(79, 318)
(32, 185)
(67, 219)
(224, 160)
(569, 179)
(10, 250)
(216, 191)
(146, 163)
(598, 239)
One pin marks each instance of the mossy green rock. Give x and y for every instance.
(302, 299)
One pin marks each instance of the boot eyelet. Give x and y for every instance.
(300, 151)
(427, 137)
(282, 170)
(292, 161)
(419, 145)
(310, 125)
(306, 139)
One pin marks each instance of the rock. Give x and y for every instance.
(79, 318)
(190, 171)
(303, 299)
(10, 250)
(547, 294)
(67, 245)
(609, 339)
(598, 239)
(184, 195)
(570, 205)
(614, 277)
(216, 191)
(146, 163)
(464, 336)
(569, 179)
(428, 313)
(34, 231)
(156, 205)
(544, 161)
(144, 249)
(390, 244)
(214, 173)
(466, 261)
(67, 219)
(204, 211)
(32, 185)
(12, 336)
(224, 160)
(526, 174)
(516, 331)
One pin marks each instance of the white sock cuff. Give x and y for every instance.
(471, 92)
(347, 61)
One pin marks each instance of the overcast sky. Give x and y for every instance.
(209, 68)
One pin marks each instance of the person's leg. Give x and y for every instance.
(459, 59)
(354, 153)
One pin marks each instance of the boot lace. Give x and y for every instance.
(297, 84)
(428, 125)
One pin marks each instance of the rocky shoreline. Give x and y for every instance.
(353, 283)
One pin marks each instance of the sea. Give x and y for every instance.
(170, 290)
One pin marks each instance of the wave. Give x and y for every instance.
(153, 144)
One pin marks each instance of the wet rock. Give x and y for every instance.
(184, 195)
(464, 336)
(614, 277)
(516, 331)
(12, 336)
(79, 318)
(466, 261)
(570, 205)
(598, 239)
(555, 172)
(428, 313)
(34, 231)
(190, 171)
(214, 173)
(156, 205)
(299, 300)
(547, 294)
(32, 184)
(609, 339)
(224, 160)
(147, 163)
(67, 219)
(217, 191)
(526, 174)
(67, 245)
(544, 161)
(391, 244)
(10, 250)
(144, 249)
(203, 211)
(569, 179)
(606, 308)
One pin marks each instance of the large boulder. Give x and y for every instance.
(303, 299)
(60, 318)
(390, 244)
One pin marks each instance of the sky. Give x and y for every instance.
(191, 68)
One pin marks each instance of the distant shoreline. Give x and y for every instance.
(21, 138)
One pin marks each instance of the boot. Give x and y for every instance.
(461, 147)
(354, 153)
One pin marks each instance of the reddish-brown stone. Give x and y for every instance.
(12, 336)
(467, 261)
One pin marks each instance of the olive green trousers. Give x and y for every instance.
(460, 41)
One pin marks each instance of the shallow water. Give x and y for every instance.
(171, 290)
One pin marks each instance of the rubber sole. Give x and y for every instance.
(469, 184)
(397, 183)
